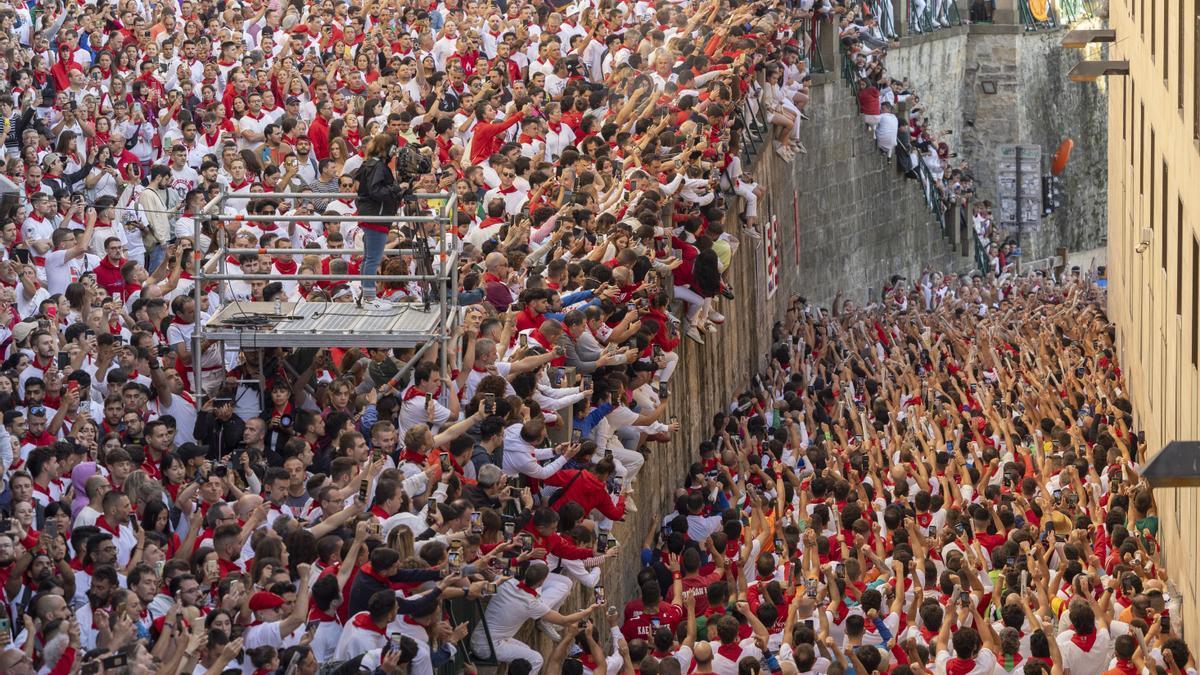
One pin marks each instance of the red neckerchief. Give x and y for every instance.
(413, 456)
(731, 651)
(525, 587)
(957, 666)
(102, 523)
(363, 620)
(1126, 667)
(316, 614)
(1084, 640)
(413, 392)
(368, 570)
(1009, 662)
(378, 511)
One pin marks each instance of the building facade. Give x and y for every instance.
(1154, 250)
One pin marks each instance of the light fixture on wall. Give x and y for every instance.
(988, 86)
(1176, 465)
(1078, 39)
(1090, 71)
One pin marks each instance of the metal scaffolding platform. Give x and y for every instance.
(263, 325)
(322, 324)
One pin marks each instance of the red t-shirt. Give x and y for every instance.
(640, 624)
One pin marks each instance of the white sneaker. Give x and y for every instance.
(751, 232)
(694, 333)
(715, 316)
(378, 303)
(712, 328)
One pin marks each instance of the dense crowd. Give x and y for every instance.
(942, 481)
(331, 506)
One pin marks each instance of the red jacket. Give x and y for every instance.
(662, 338)
(588, 492)
(486, 137)
(318, 133)
(108, 277)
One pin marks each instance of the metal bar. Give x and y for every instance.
(326, 219)
(322, 277)
(314, 251)
(333, 195)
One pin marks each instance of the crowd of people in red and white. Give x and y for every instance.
(944, 481)
(182, 506)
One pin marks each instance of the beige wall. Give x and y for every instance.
(1152, 115)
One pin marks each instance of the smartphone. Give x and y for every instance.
(1165, 622)
(364, 486)
(63, 358)
(599, 590)
(445, 461)
(490, 588)
(489, 404)
(964, 598)
(601, 541)
(429, 510)
(585, 383)
(428, 401)
(508, 531)
(526, 543)
(212, 568)
(810, 587)
(476, 526)
(114, 661)
(523, 340)
(662, 390)
(576, 435)
(454, 560)
(51, 528)
(674, 420)
(90, 668)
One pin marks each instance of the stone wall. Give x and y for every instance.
(846, 221)
(859, 222)
(1034, 103)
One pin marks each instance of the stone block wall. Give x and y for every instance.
(1034, 103)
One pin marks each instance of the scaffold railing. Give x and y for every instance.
(424, 322)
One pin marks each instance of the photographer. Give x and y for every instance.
(378, 195)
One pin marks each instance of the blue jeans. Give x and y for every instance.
(373, 243)
(156, 256)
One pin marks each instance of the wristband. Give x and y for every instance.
(676, 576)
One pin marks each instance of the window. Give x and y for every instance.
(1153, 28)
(1179, 257)
(1195, 301)
(1179, 49)
(1142, 149)
(1124, 111)
(1165, 208)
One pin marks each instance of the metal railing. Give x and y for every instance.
(933, 15)
(440, 273)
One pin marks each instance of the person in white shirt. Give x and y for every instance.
(70, 258)
(271, 625)
(1087, 646)
(515, 602)
(115, 521)
(730, 651)
(427, 386)
(973, 651)
(420, 629)
(886, 128)
(367, 630)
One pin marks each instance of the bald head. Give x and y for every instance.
(702, 652)
(494, 261)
